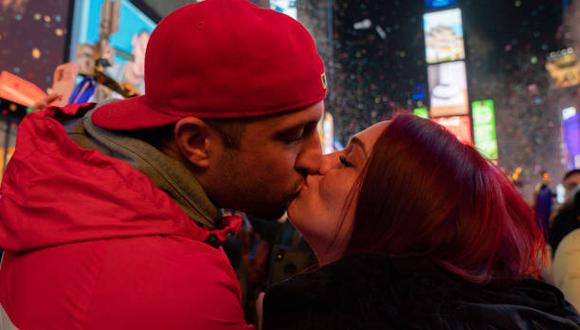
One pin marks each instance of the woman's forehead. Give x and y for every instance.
(371, 134)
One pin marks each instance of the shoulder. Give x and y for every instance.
(167, 279)
(353, 293)
(567, 253)
(566, 259)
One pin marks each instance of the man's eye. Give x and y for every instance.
(294, 137)
(345, 162)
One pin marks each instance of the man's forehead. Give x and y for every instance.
(572, 178)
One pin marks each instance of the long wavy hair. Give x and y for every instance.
(424, 193)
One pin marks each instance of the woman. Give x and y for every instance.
(414, 230)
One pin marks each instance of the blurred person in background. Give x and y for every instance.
(543, 201)
(413, 229)
(565, 220)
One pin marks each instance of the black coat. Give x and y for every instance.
(376, 292)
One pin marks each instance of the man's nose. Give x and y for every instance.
(310, 157)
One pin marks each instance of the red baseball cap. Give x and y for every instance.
(221, 59)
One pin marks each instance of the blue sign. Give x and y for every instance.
(571, 137)
(438, 4)
(128, 42)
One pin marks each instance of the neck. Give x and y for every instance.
(326, 253)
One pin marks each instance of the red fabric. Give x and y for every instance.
(92, 243)
(222, 59)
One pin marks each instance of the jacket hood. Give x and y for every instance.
(55, 192)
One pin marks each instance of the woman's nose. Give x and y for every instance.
(329, 162)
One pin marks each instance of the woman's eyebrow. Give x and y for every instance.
(356, 140)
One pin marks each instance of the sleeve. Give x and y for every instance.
(185, 286)
(216, 298)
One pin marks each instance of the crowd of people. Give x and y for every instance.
(167, 210)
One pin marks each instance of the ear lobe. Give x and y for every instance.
(192, 137)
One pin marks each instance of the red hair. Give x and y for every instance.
(424, 193)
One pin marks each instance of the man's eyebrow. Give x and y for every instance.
(355, 140)
(295, 127)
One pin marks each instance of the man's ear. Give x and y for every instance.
(194, 139)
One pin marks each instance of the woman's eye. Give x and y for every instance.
(345, 162)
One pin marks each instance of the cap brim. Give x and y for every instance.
(130, 114)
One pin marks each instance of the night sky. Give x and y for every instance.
(33, 38)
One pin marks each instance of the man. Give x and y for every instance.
(566, 219)
(543, 203)
(565, 241)
(110, 220)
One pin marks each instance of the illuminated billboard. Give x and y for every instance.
(571, 137)
(326, 132)
(460, 126)
(421, 112)
(448, 89)
(564, 68)
(438, 4)
(484, 131)
(444, 36)
(288, 7)
(129, 29)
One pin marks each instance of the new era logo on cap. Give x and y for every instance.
(324, 81)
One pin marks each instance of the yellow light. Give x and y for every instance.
(36, 53)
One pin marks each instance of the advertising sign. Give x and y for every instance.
(439, 4)
(444, 36)
(288, 7)
(484, 131)
(448, 89)
(571, 137)
(564, 68)
(460, 126)
(129, 29)
(421, 112)
(326, 132)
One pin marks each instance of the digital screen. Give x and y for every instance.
(288, 7)
(421, 112)
(448, 89)
(571, 137)
(33, 35)
(326, 132)
(564, 68)
(460, 126)
(444, 36)
(484, 131)
(127, 42)
(438, 4)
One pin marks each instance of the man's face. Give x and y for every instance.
(570, 184)
(266, 172)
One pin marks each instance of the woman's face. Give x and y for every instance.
(318, 211)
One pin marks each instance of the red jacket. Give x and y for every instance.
(91, 243)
